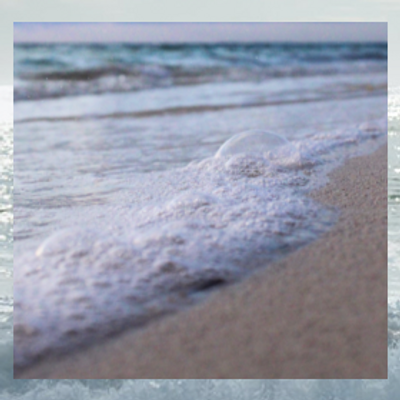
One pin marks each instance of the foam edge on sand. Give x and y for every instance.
(321, 312)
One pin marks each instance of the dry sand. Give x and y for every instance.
(319, 313)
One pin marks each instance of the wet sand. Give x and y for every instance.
(319, 313)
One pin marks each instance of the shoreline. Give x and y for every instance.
(184, 110)
(298, 318)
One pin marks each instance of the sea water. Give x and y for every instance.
(394, 217)
(6, 239)
(126, 210)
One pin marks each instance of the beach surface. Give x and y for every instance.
(320, 312)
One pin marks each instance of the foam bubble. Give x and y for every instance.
(254, 142)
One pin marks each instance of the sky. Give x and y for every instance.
(200, 32)
(190, 11)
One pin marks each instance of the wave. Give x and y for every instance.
(48, 71)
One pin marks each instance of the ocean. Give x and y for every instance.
(6, 235)
(125, 208)
(394, 216)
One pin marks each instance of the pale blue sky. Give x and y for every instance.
(195, 11)
(200, 32)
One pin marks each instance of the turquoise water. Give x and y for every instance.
(200, 389)
(58, 70)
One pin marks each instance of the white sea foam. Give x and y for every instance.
(202, 389)
(171, 238)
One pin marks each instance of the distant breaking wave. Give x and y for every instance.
(49, 71)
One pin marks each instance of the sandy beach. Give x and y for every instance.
(320, 312)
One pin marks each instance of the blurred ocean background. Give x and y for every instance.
(60, 70)
(394, 217)
(6, 236)
(91, 120)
